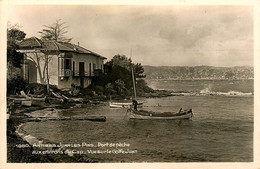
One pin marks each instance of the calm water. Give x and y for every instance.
(222, 129)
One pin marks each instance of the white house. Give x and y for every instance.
(65, 63)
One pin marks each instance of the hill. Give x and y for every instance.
(198, 72)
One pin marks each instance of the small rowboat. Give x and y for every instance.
(119, 105)
(123, 105)
(38, 101)
(26, 102)
(149, 115)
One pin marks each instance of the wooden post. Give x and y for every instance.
(134, 82)
(47, 73)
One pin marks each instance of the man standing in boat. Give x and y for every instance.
(135, 104)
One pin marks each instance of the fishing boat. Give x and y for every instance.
(150, 115)
(119, 105)
(133, 113)
(123, 105)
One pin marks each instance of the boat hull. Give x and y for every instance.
(123, 105)
(185, 115)
(26, 103)
(119, 105)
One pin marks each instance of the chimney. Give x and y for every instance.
(78, 43)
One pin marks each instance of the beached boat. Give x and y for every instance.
(38, 101)
(26, 102)
(35, 100)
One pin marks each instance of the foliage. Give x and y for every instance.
(124, 62)
(74, 90)
(14, 35)
(55, 31)
(142, 87)
(15, 85)
(118, 80)
(109, 89)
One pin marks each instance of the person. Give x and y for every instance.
(135, 104)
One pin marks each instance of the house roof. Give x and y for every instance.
(30, 43)
(54, 46)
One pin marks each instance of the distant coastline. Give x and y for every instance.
(198, 73)
(199, 79)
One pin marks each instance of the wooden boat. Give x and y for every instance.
(119, 105)
(149, 115)
(35, 101)
(26, 102)
(133, 113)
(123, 105)
(38, 101)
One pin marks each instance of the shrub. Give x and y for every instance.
(15, 85)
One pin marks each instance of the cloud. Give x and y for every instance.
(158, 35)
(185, 35)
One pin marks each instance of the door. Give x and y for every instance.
(73, 68)
(81, 69)
(89, 69)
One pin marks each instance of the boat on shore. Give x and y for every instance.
(25, 100)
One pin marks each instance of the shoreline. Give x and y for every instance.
(20, 150)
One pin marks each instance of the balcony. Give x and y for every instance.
(65, 73)
(81, 74)
(68, 73)
(96, 73)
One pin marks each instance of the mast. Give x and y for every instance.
(133, 74)
(134, 82)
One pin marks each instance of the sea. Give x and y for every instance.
(221, 130)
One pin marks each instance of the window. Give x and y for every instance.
(67, 64)
(94, 66)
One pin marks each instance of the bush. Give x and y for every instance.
(75, 90)
(15, 85)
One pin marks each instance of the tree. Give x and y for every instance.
(14, 35)
(14, 59)
(229, 75)
(55, 31)
(123, 61)
(120, 76)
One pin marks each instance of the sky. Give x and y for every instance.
(168, 35)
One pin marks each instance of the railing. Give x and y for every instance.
(65, 72)
(68, 72)
(77, 73)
